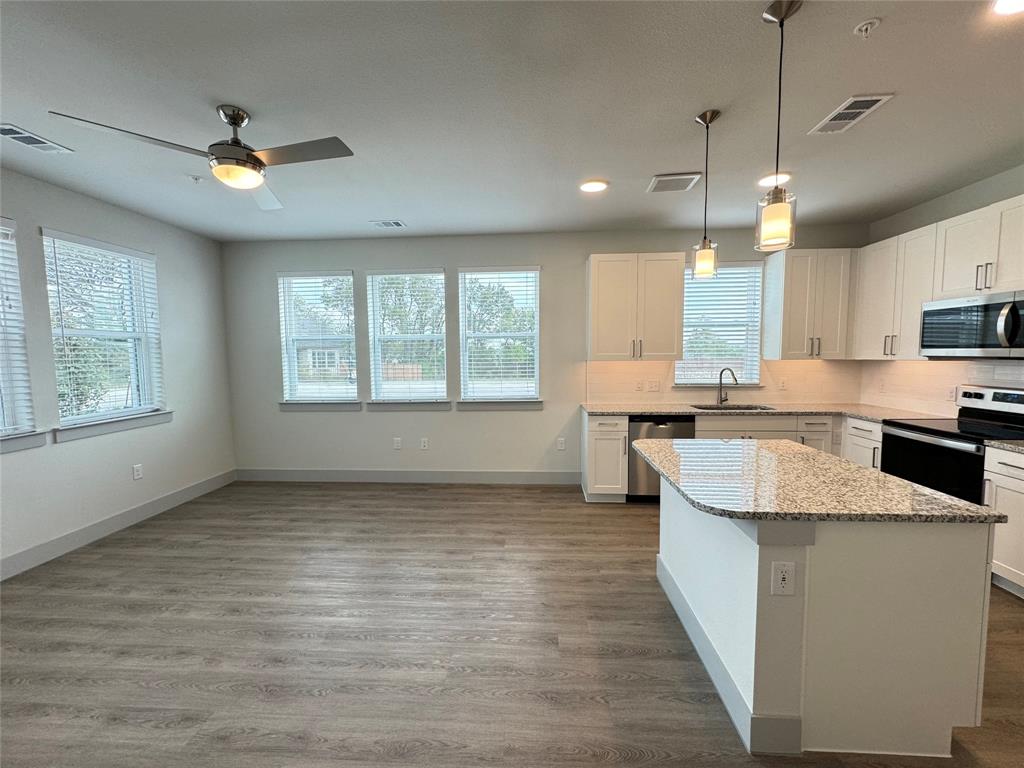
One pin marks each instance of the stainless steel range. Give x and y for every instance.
(949, 454)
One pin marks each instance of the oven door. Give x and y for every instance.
(956, 467)
(977, 326)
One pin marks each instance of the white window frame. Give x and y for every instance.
(147, 362)
(465, 335)
(724, 265)
(289, 349)
(16, 412)
(376, 340)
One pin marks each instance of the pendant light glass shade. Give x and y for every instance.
(776, 221)
(705, 260)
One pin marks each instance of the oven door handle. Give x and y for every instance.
(945, 442)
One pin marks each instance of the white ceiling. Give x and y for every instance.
(484, 117)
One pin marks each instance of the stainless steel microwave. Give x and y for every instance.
(975, 326)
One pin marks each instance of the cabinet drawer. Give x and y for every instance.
(868, 430)
(746, 423)
(814, 423)
(608, 424)
(1006, 463)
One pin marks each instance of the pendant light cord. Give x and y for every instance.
(707, 143)
(778, 113)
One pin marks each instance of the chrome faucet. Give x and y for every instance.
(722, 396)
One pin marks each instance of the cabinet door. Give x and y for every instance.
(831, 298)
(606, 462)
(876, 300)
(659, 327)
(1009, 266)
(798, 310)
(964, 244)
(612, 306)
(819, 440)
(1006, 495)
(914, 276)
(867, 453)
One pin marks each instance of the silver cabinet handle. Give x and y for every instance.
(641, 348)
(988, 273)
(817, 341)
(803, 440)
(810, 346)
(607, 423)
(623, 445)
(977, 277)
(874, 457)
(1011, 466)
(885, 347)
(632, 349)
(892, 345)
(819, 424)
(985, 493)
(861, 429)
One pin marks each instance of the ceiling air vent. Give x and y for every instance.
(33, 140)
(851, 112)
(388, 224)
(674, 182)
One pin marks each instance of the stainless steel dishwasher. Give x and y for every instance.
(644, 481)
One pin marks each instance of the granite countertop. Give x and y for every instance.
(1017, 446)
(783, 480)
(873, 413)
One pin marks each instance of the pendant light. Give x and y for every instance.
(776, 211)
(705, 255)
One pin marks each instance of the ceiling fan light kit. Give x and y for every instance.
(233, 162)
(776, 211)
(705, 255)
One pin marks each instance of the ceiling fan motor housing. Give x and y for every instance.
(234, 152)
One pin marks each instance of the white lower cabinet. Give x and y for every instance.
(862, 443)
(1004, 492)
(820, 440)
(605, 458)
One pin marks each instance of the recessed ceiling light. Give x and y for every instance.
(1008, 7)
(594, 185)
(773, 180)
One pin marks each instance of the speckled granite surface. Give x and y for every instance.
(783, 480)
(1017, 446)
(857, 410)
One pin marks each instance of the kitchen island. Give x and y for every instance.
(835, 608)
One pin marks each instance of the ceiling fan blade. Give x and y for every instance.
(133, 135)
(265, 198)
(304, 151)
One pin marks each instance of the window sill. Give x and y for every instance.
(409, 405)
(107, 426)
(500, 405)
(725, 385)
(321, 405)
(21, 441)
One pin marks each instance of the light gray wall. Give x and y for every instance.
(53, 490)
(480, 441)
(985, 192)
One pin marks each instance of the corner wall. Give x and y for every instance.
(65, 494)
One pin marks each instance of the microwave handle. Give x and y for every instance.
(1008, 324)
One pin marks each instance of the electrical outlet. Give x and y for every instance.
(783, 578)
(881, 385)
(424, 443)
(560, 443)
(136, 471)
(951, 394)
(782, 383)
(639, 386)
(396, 443)
(653, 385)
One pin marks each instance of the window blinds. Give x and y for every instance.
(407, 344)
(15, 389)
(499, 325)
(722, 325)
(106, 329)
(318, 337)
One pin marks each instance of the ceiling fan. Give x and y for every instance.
(235, 163)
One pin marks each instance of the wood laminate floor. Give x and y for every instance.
(309, 625)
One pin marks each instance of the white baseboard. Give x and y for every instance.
(39, 554)
(760, 734)
(1010, 586)
(471, 476)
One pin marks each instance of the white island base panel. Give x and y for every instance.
(879, 650)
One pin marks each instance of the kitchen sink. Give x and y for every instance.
(737, 407)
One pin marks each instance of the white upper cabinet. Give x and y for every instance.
(875, 300)
(635, 306)
(806, 304)
(1009, 267)
(915, 270)
(981, 251)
